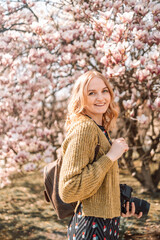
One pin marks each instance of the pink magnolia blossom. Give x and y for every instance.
(38, 28)
(154, 55)
(152, 67)
(158, 70)
(149, 104)
(4, 181)
(70, 48)
(85, 45)
(142, 119)
(128, 104)
(7, 59)
(30, 167)
(48, 159)
(21, 157)
(142, 74)
(7, 39)
(142, 60)
(117, 4)
(96, 25)
(56, 36)
(110, 72)
(105, 60)
(101, 21)
(116, 57)
(122, 47)
(68, 8)
(67, 57)
(138, 44)
(149, 25)
(156, 36)
(126, 17)
(32, 54)
(42, 69)
(139, 8)
(108, 28)
(4, 80)
(1, 10)
(108, 4)
(116, 71)
(119, 31)
(3, 45)
(82, 63)
(135, 63)
(89, 32)
(142, 35)
(157, 19)
(102, 44)
(156, 9)
(116, 37)
(106, 14)
(157, 103)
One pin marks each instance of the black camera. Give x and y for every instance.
(140, 204)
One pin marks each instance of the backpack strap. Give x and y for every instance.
(96, 150)
(46, 196)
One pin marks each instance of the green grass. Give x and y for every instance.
(24, 214)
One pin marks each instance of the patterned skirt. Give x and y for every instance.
(92, 228)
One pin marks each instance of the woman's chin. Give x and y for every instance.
(100, 111)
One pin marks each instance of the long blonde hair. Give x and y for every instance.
(77, 101)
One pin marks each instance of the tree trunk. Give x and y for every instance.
(144, 176)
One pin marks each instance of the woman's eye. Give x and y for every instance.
(106, 90)
(91, 93)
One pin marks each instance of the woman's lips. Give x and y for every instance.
(99, 105)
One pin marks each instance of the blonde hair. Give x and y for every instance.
(77, 101)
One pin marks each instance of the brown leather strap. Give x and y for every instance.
(46, 196)
(96, 150)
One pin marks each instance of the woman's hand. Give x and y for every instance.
(118, 147)
(132, 212)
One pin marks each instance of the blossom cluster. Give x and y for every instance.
(130, 47)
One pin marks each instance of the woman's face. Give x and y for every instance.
(97, 98)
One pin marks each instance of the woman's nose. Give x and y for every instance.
(99, 96)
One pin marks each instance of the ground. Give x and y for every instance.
(25, 214)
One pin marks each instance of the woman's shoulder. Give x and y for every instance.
(83, 123)
(83, 131)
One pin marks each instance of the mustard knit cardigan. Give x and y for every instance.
(95, 184)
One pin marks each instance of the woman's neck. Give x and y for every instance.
(97, 120)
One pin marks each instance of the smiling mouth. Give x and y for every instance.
(99, 105)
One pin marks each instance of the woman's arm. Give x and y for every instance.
(80, 179)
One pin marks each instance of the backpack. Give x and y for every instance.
(51, 183)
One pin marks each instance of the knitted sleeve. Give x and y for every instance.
(80, 179)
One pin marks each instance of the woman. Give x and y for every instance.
(94, 184)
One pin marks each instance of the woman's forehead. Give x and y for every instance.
(96, 82)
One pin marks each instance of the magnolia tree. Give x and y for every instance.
(46, 45)
(131, 56)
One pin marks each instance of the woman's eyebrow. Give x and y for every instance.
(91, 90)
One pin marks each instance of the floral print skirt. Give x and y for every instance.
(92, 228)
